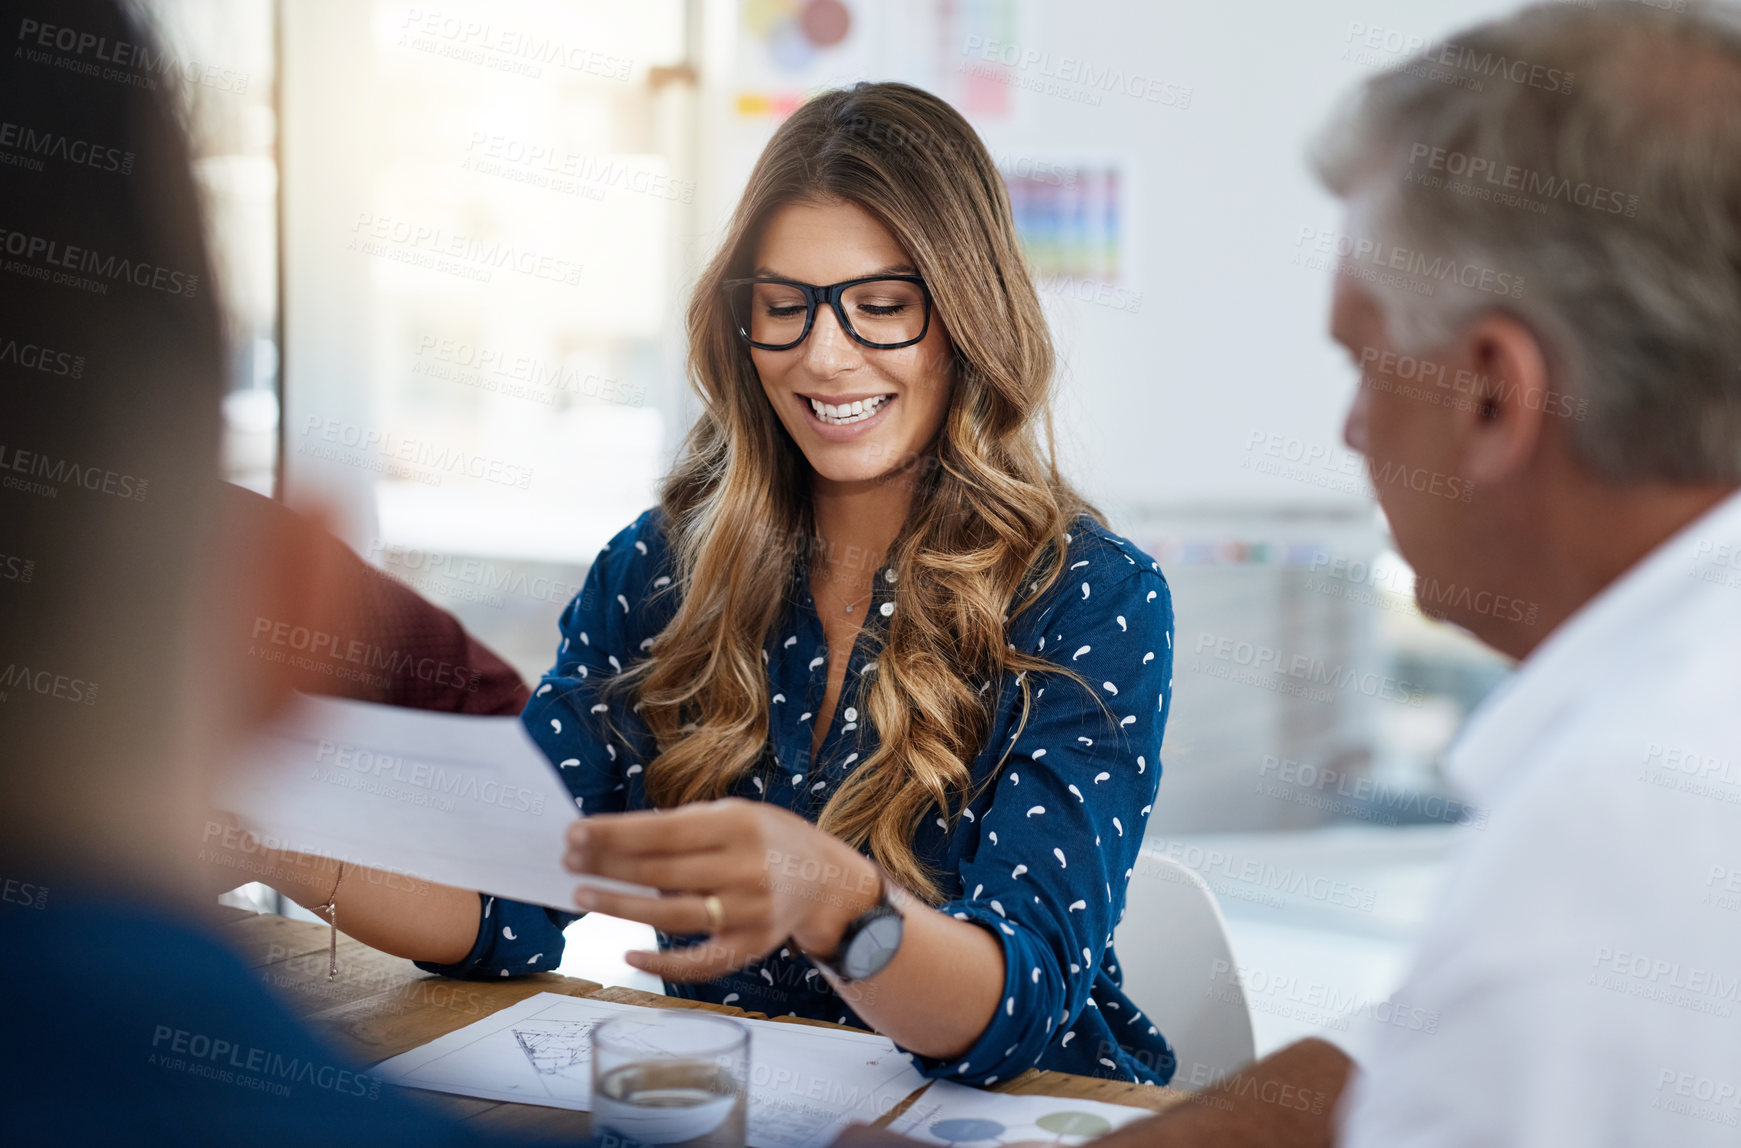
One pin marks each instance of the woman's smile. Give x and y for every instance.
(842, 417)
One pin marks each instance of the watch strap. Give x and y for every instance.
(890, 903)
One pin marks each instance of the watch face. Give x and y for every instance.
(872, 947)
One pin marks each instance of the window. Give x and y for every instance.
(483, 298)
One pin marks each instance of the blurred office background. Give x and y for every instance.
(456, 244)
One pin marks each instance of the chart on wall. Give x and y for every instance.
(1072, 213)
(970, 1118)
(1072, 217)
(789, 49)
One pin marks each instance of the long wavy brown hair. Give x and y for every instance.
(984, 537)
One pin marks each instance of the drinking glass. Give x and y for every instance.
(679, 1077)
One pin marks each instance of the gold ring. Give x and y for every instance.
(715, 913)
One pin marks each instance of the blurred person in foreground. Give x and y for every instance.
(1584, 965)
(125, 573)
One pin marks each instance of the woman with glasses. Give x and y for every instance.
(872, 696)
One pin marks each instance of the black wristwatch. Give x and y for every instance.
(870, 941)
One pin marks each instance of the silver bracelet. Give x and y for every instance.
(331, 909)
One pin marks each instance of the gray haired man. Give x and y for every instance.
(1540, 283)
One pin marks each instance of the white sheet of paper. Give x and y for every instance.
(956, 1115)
(451, 798)
(806, 1083)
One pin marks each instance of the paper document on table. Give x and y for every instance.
(450, 798)
(806, 1083)
(952, 1113)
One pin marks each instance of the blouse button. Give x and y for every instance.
(889, 575)
(851, 713)
(888, 608)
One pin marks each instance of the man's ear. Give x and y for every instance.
(1509, 398)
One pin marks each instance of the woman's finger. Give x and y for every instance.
(709, 960)
(686, 829)
(682, 915)
(702, 872)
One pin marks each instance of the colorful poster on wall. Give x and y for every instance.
(1071, 217)
(791, 48)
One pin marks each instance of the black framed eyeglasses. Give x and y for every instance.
(880, 311)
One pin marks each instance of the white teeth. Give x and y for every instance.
(856, 411)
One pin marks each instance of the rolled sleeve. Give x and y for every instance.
(1060, 838)
(513, 939)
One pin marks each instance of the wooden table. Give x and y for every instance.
(380, 1006)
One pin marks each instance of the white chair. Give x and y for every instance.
(1179, 969)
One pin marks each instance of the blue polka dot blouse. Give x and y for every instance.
(1040, 858)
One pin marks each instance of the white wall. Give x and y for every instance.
(1160, 405)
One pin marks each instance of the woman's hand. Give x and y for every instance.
(774, 874)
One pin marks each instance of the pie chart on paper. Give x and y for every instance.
(962, 1117)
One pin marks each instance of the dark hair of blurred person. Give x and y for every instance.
(123, 573)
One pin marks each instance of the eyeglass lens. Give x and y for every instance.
(878, 311)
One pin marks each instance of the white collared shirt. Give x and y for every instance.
(1581, 981)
